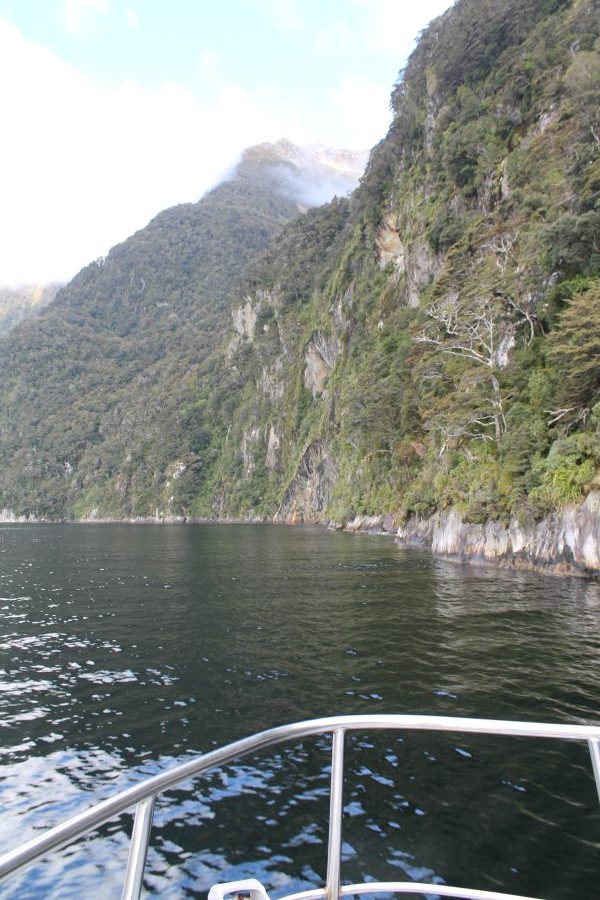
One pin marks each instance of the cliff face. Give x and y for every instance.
(567, 542)
(413, 353)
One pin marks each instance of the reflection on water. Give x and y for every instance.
(124, 649)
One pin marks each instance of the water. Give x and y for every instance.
(124, 650)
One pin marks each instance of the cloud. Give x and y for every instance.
(86, 163)
(133, 19)
(392, 25)
(375, 34)
(335, 36)
(364, 104)
(77, 16)
(210, 69)
(285, 14)
(84, 166)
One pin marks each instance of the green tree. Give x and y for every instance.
(574, 348)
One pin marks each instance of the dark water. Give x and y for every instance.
(126, 649)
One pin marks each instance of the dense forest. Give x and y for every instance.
(430, 342)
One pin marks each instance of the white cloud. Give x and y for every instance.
(133, 19)
(334, 37)
(385, 29)
(210, 69)
(364, 105)
(83, 167)
(76, 16)
(392, 25)
(285, 13)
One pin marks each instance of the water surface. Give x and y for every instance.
(125, 649)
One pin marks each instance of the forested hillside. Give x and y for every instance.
(431, 342)
(100, 405)
(445, 350)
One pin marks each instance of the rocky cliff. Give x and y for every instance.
(567, 542)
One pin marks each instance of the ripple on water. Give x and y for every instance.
(126, 650)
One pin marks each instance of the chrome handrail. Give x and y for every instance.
(143, 794)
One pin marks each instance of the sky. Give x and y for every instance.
(112, 110)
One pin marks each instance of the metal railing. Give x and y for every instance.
(143, 796)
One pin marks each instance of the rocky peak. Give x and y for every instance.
(312, 174)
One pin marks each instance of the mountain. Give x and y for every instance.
(426, 347)
(102, 392)
(17, 303)
(313, 173)
(433, 343)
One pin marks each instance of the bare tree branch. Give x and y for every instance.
(581, 414)
(502, 248)
(476, 332)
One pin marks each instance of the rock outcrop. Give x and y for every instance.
(244, 320)
(9, 517)
(371, 525)
(319, 360)
(309, 492)
(567, 542)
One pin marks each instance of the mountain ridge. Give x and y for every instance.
(96, 388)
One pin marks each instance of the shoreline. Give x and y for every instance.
(562, 544)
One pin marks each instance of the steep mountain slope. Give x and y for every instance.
(19, 303)
(428, 346)
(101, 395)
(444, 351)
